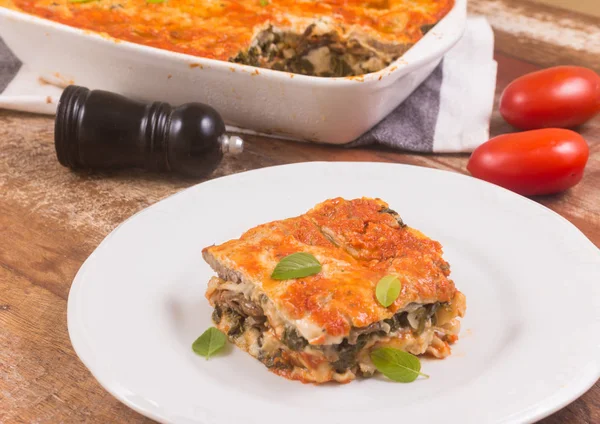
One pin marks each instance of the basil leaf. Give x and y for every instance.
(155, 1)
(211, 341)
(388, 290)
(264, 3)
(296, 265)
(397, 365)
(81, 1)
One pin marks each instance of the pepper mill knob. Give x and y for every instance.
(97, 129)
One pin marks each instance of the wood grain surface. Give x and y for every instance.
(590, 7)
(51, 219)
(541, 34)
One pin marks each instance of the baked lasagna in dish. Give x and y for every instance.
(323, 327)
(328, 38)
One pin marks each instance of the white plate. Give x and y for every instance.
(529, 343)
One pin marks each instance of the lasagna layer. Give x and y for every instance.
(320, 50)
(251, 322)
(323, 38)
(322, 327)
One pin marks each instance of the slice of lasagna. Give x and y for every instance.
(323, 327)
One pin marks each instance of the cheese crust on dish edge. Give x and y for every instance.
(328, 38)
(323, 327)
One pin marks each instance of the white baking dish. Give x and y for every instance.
(330, 110)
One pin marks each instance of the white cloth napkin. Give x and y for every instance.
(448, 112)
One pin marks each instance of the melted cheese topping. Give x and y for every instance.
(220, 29)
(363, 244)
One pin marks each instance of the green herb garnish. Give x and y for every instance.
(81, 1)
(387, 290)
(155, 1)
(210, 342)
(397, 365)
(263, 3)
(296, 265)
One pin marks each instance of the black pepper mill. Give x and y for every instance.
(98, 129)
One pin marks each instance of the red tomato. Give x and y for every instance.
(563, 96)
(532, 162)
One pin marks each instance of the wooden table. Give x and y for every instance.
(51, 219)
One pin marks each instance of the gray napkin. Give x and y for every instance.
(448, 112)
(9, 66)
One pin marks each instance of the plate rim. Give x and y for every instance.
(544, 408)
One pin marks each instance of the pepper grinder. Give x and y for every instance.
(97, 129)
